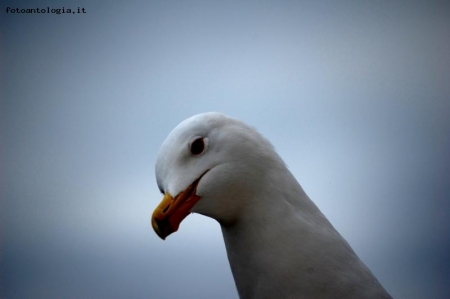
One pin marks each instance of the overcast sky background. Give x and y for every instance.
(355, 96)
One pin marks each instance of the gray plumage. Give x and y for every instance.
(279, 244)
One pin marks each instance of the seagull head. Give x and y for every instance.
(213, 165)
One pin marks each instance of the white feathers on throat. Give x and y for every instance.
(278, 243)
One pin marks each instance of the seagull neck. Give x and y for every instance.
(284, 247)
(256, 242)
(251, 253)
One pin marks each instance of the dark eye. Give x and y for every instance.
(198, 146)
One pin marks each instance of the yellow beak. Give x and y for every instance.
(171, 211)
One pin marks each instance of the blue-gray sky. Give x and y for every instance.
(355, 96)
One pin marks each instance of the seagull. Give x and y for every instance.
(279, 244)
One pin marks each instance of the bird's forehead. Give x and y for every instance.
(197, 125)
(176, 143)
(182, 134)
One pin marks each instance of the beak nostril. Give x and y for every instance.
(166, 208)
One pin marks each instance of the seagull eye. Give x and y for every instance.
(198, 146)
